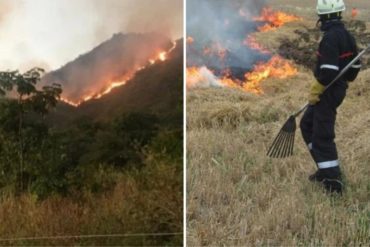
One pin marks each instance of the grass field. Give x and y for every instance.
(238, 196)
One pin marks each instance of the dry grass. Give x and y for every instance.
(238, 196)
(307, 9)
(146, 201)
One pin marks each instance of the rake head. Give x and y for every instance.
(283, 144)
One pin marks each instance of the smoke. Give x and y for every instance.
(203, 78)
(5, 10)
(209, 18)
(163, 16)
(219, 28)
(57, 31)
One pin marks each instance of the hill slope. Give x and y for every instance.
(112, 60)
(156, 89)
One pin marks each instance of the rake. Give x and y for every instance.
(283, 144)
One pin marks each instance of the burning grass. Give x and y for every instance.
(276, 67)
(274, 19)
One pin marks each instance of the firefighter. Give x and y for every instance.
(336, 49)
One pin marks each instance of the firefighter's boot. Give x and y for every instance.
(331, 178)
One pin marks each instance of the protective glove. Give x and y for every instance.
(316, 90)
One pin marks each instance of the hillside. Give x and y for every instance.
(238, 196)
(111, 61)
(157, 89)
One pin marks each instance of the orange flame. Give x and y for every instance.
(162, 56)
(190, 40)
(69, 102)
(274, 19)
(276, 67)
(107, 90)
(193, 77)
(253, 44)
(354, 13)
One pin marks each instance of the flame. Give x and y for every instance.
(108, 90)
(253, 44)
(274, 19)
(193, 77)
(69, 102)
(276, 67)
(354, 13)
(190, 40)
(162, 56)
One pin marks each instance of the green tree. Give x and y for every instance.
(24, 100)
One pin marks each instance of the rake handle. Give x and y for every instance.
(341, 73)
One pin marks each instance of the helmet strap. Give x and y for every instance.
(331, 16)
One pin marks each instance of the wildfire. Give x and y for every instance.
(69, 102)
(228, 57)
(108, 90)
(162, 56)
(193, 77)
(203, 77)
(253, 44)
(274, 19)
(276, 67)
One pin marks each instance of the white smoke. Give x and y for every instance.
(50, 33)
(203, 78)
(226, 23)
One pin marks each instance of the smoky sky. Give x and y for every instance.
(50, 33)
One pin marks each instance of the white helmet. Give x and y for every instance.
(330, 6)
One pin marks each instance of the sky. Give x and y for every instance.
(50, 33)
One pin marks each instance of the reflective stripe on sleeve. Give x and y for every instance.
(358, 66)
(329, 66)
(310, 146)
(328, 164)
